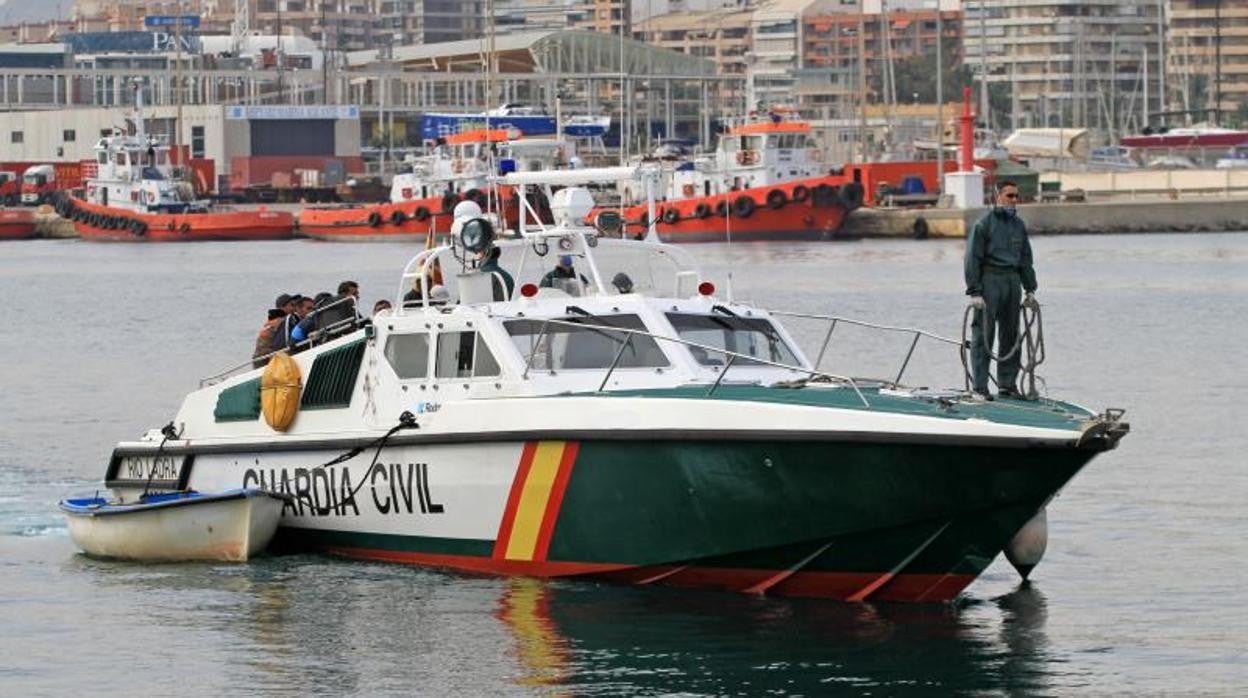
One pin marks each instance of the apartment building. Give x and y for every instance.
(602, 16)
(873, 39)
(721, 36)
(1207, 38)
(1082, 63)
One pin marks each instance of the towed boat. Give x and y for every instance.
(17, 223)
(134, 196)
(232, 525)
(654, 432)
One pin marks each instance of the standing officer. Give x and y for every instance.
(998, 263)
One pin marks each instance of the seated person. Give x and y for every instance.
(563, 270)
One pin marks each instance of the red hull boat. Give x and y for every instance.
(17, 223)
(109, 223)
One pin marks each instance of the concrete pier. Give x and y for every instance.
(1156, 215)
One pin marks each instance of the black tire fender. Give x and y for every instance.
(702, 210)
(801, 193)
(920, 228)
(397, 217)
(421, 214)
(776, 199)
(671, 215)
(744, 206)
(374, 219)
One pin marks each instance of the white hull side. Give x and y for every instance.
(231, 530)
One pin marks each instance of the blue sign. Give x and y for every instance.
(171, 20)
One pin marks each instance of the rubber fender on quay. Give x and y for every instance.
(776, 199)
(920, 228)
(671, 216)
(744, 206)
(280, 385)
(801, 193)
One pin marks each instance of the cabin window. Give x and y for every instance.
(749, 336)
(17, 137)
(197, 141)
(408, 355)
(565, 347)
(464, 355)
(101, 158)
(68, 135)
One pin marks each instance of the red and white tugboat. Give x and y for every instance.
(134, 196)
(765, 181)
(423, 196)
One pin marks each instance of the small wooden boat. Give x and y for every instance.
(170, 526)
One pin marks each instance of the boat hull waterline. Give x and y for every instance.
(108, 223)
(793, 516)
(230, 526)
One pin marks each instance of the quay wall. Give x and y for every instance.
(1148, 215)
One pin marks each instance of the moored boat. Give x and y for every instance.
(134, 196)
(17, 223)
(649, 432)
(422, 196)
(233, 525)
(765, 181)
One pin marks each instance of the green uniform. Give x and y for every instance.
(998, 263)
(508, 283)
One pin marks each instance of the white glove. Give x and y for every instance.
(1029, 300)
(977, 302)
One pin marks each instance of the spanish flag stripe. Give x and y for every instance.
(534, 495)
(555, 500)
(513, 499)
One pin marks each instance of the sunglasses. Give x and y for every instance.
(1010, 196)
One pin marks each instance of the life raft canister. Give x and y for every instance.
(280, 385)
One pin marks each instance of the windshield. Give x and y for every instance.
(749, 336)
(570, 347)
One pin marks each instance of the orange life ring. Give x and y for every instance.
(688, 190)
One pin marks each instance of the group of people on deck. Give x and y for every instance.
(297, 321)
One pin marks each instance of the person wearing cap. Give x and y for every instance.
(999, 278)
(504, 284)
(563, 270)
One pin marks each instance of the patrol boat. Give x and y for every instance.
(662, 433)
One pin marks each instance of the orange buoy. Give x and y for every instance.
(280, 386)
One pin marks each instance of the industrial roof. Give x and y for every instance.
(562, 51)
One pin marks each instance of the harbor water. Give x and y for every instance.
(1143, 589)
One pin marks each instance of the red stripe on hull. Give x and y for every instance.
(556, 499)
(513, 500)
(841, 586)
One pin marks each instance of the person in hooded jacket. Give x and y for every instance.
(503, 283)
(999, 274)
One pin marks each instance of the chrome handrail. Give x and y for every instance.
(834, 320)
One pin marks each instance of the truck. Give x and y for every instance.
(10, 187)
(40, 181)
